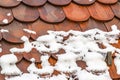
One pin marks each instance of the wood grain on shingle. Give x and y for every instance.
(116, 9)
(66, 26)
(84, 2)
(15, 32)
(51, 14)
(9, 3)
(60, 2)
(34, 2)
(100, 12)
(33, 54)
(25, 13)
(40, 28)
(6, 16)
(107, 1)
(23, 65)
(76, 12)
(91, 24)
(6, 46)
(114, 21)
(0, 36)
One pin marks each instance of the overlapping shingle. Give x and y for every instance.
(43, 15)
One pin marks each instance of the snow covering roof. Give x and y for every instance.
(25, 23)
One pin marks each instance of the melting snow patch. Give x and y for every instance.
(5, 21)
(8, 66)
(29, 31)
(8, 14)
(3, 30)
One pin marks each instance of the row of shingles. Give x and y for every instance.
(12, 3)
(20, 11)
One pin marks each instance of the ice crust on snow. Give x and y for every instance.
(78, 46)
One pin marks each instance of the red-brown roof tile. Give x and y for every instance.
(84, 2)
(15, 32)
(9, 3)
(91, 24)
(107, 1)
(6, 16)
(34, 2)
(25, 13)
(40, 28)
(76, 13)
(51, 14)
(100, 12)
(59, 2)
(116, 9)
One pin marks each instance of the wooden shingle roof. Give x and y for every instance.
(43, 15)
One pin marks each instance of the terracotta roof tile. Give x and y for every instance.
(9, 3)
(6, 46)
(43, 15)
(107, 1)
(116, 9)
(15, 32)
(40, 28)
(101, 12)
(51, 14)
(76, 12)
(67, 25)
(33, 54)
(84, 2)
(114, 21)
(6, 16)
(25, 13)
(59, 2)
(34, 2)
(91, 24)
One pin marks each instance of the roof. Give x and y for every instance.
(43, 15)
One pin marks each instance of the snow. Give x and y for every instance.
(78, 46)
(5, 21)
(27, 46)
(117, 62)
(8, 14)
(8, 66)
(0, 49)
(27, 76)
(46, 68)
(19, 0)
(84, 75)
(3, 30)
(29, 31)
